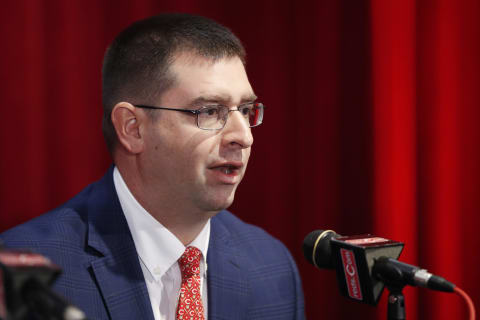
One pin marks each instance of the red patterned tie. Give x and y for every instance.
(190, 304)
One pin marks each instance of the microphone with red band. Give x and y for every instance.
(365, 263)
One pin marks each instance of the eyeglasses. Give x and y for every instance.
(214, 117)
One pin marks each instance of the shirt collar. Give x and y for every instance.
(156, 246)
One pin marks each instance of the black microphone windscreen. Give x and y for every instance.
(317, 249)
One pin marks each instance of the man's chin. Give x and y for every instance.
(220, 203)
(222, 206)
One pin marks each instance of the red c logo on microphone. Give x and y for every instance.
(351, 274)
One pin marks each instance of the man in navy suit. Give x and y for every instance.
(178, 113)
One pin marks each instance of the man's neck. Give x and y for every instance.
(184, 222)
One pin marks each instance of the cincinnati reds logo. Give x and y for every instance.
(350, 270)
(351, 275)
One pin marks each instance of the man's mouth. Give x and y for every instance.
(228, 168)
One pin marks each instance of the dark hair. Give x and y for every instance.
(136, 64)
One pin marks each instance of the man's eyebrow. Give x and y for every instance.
(202, 100)
(221, 99)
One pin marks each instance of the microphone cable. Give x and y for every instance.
(468, 300)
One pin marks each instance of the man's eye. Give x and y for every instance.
(245, 110)
(210, 111)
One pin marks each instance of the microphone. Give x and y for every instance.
(364, 264)
(44, 301)
(25, 278)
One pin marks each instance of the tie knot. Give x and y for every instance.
(189, 262)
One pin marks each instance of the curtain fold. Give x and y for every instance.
(395, 132)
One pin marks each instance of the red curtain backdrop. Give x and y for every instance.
(371, 125)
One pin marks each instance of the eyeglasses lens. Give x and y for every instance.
(256, 115)
(215, 117)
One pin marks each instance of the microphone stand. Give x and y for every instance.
(396, 301)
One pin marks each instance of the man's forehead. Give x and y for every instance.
(203, 80)
(186, 63)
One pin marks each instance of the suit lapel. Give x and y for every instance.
(227, 282)
(118, 272)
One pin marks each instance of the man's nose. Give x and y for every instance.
(237, 130)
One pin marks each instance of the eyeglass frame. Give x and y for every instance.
(196, 112)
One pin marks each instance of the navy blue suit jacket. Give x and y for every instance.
(250, 274)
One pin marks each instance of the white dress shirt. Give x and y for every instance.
(158, 251)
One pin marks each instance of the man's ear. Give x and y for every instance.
(127, 122)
